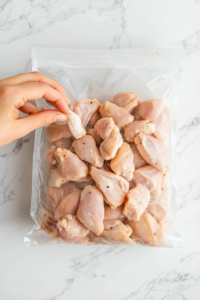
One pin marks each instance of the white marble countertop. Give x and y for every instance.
(58, 272)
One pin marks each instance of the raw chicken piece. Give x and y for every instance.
(71, 230)
(64, 143)
(153, 151)
(150, 109)
(114, 214)
(148, 230)
(56, 132)
(49, 225)
(162, 124)
(122, 164)
(116, 232)
(68, 205)
(137, 201)
(138, 160)
(85, 108)
(69, 165)
(56, 179)
(108, 131)
(120, 116)
(94, 134)
(113, 187)
(91, 209)
(128, 101)
(94, 118)
(151, 178)
(136, 115)
(88, 178)
(87, 150)
(132, 129)
(157, 211)
(50, 155)
(75, 125)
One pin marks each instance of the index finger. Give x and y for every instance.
(34, 77)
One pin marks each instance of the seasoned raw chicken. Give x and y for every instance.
(56, 179)
(70, 165)
(71, 230)
(114, 214)
(137, 158)
(94, 118)
(122, 164)
(147, 230)
(120, 116)
(113, 187)
(64, 143)
(85, 108)
(49, 225)
(128, 101)
(137, 201)
(91, 209)
(56, 132)
(87, 150)
(68, 204)
(75, 125)
(153, 151)
(94, 134)
(157, 210)
(151, 178)
(150, 109)
(132, 129)
(108, 131)
(50, 155)
(116, 232)
(162, 124)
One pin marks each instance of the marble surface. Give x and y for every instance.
(101, 272)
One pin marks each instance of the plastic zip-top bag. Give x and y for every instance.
(108, 176)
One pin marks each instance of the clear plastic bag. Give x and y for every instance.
(101, 74)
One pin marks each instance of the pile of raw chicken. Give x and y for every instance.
(107, 180)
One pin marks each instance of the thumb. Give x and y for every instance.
(27, 124)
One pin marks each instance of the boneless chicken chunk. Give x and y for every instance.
(64, 143)
(113, 187)
(114, 214)
(56, 179)
(137, 200)
(50, 155)
(132, 129)
(151, 178)
(150, 109)
(147, 230)
(122, 164)
(94, 118)
(120, 116)
(56, 132)
(157, 210)
(70, 165)
(75, 125)
(68, 204)
(137, 158)
(104, 127)
(153, 151)
(87, 150)
(162, 124)
(91, 209)
(116, 232)
(96, 137)
(85, 108)
(71, 230)
(128, 101)
(49, 225)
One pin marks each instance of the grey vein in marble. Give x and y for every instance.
(17, 147)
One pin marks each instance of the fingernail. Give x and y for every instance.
(60, 118)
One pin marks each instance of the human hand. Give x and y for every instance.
(14, 95)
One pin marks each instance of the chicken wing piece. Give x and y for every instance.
(147, 230)
(50, 155)
(122, 164)
(137, 201)
(157, 210)
(151, 178)
(153, 151)
(91, 209)
(114, 214)
(128, 101)
(85, 108)
(71, 230)
(137, 158)
(150, 109)
(56, 179)
(120, 116)
(64, 143)
(116, 232)
(70, 165)
(56, 132)
(94, 134)
(87, 150)
(68, 205)
(113, 187)
(75, 125)
(94, 118)
(162, 124)
(132, 129)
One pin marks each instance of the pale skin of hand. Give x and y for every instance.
(14, 95)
